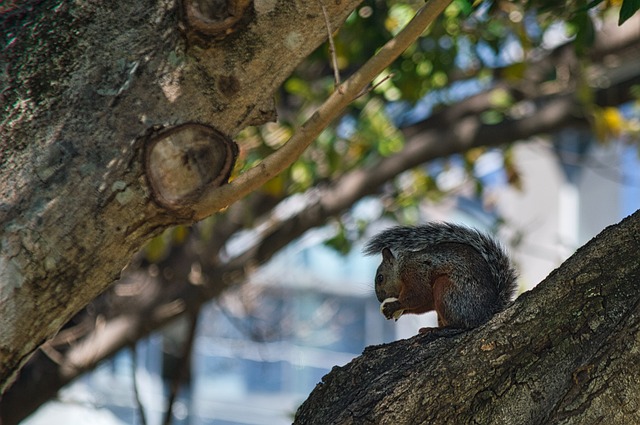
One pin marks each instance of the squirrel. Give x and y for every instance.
(461, 273)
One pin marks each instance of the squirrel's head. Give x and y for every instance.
(385, 281)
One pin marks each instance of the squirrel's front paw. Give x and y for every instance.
(391, 308)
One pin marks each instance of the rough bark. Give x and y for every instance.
(565, 352)
(86, 89)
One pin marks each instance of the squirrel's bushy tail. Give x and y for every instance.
(416, 238)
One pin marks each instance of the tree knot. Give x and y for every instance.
(184, 161)
(214, 17)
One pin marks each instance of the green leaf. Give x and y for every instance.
(584, 31)
(629, 7)
(340, 242)
(465, 7)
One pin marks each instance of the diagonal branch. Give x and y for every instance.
(444, 134)
(562, 353)
(274, 164)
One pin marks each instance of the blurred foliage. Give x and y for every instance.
(158, 248)
(474, 45)
(474, 41)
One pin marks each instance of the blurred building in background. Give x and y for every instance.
(572, 188)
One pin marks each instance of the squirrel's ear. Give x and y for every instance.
(387, 255)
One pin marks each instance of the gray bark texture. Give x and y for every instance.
(94, 98)
(566, 352)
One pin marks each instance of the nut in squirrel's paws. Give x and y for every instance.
(390, 308)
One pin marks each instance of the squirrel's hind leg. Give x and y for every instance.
(441, 325)
(443, 329)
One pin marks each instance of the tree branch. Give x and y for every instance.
(333, 107)
(562, 353)
(134, 381)
(183, 368)
(440, 136)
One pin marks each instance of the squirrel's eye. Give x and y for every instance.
(379, 278)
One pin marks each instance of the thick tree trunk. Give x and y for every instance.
(86, 88)
(566, 352)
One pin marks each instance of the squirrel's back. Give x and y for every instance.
(403, 239)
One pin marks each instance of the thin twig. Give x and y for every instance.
(136, 392)
(369, 89)
(332, 47)
(184, 366)
(70, 335)
(247, 331)
(218, 198)
(53, 354)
